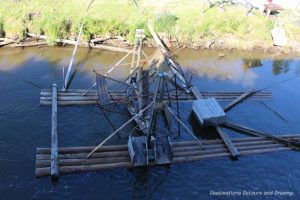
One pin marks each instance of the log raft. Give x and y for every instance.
(77, 97)
(73, 159)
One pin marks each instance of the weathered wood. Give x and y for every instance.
(189, 131)
(138, 150)
(45, 171)
(71, 96)
(196, 93)
(239, 99)
(80, 161)
(103, 96)
(291, 143)
(207, 143)
(118, 153)
(29, 44)
(5, 43)
(83, 44)
(54, 140)
(173, 65)
(209, 112)
(231, 147)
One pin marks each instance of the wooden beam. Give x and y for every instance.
(54, 140)
(233, 150)
(239, 99)
(189, 131)
(291, 143)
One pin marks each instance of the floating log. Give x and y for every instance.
(54, 145)
(183, 152)
(77, 97)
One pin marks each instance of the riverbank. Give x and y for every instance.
(179, 23)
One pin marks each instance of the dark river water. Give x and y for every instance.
(25, 125)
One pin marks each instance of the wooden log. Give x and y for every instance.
(178, 153)
(39, 172)
(83, 149)
(54, 140)
(110, 48)
(229, 144)
(84, 155)
(29, 44)
(5, 43)
(245, 129)
(239, 99)
(45, 171)
(205, 93)
(83, 44)
(76, 161)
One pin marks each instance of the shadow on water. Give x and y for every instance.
(24, 126)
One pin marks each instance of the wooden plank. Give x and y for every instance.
(54, 140)
(102, 90)
(239, 99)
(196, 93)
(233, 150)
(291, 143)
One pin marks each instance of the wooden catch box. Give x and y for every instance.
(138, 150)
(209, 112)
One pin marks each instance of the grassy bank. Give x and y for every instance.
(183, 21)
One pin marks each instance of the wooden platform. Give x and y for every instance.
(75, 96)
(73, 159)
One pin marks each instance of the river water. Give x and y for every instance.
(25, 125)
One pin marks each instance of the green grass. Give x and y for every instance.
(180, 19)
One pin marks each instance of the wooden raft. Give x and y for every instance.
(73, 159)
(76, 96)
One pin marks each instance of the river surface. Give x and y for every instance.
(25, 125)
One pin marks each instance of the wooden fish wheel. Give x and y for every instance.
(148, 95)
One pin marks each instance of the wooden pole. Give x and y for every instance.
(189, 131)
(65, 85)
(116, 131)
(232, 149)
(294, 144)
(239, 99)
(54, 142)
